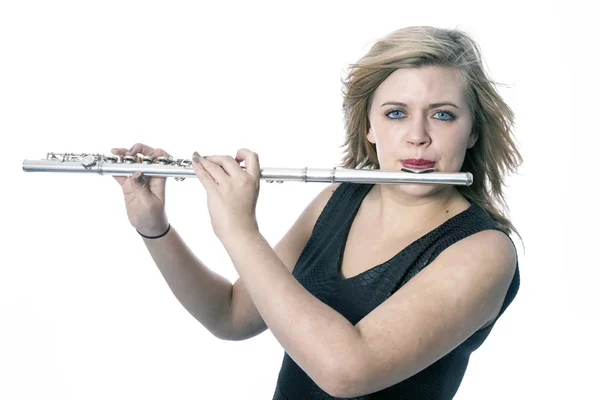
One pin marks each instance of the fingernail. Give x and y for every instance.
(151, 153)
(196, 157)
(114, 149)
(140, 178)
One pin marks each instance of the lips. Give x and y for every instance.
(418, 163)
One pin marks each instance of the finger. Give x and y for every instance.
(141, 188)
(204, 176)
(215, 170)
(120, 179)
(119, 151)
(139, 148)
(157, 153)
(251, 162)
(228, 164)
(160, 153)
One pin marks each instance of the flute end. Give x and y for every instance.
(469, 179)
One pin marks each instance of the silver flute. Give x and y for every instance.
(180, 169)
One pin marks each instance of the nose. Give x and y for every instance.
(418, 133)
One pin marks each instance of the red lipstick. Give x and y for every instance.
(418, 163)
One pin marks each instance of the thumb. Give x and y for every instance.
(141, 188)
(251, 161)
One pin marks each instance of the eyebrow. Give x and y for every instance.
(432, 105)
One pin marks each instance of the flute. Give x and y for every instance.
(180, 169)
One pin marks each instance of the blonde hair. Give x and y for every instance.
(494, 153)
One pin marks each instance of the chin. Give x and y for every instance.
(418, 189)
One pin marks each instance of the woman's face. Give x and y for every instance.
(421, 113)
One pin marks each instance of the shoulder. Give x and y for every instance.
(489, 258)
(314, 209)
(334, 196)
(488, 240)
(487, 249)
(323, 198)
(480, 267)
(325, 195)
(475, 233)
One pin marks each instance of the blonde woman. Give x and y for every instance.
(378, 291)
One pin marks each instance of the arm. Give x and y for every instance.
(245, 320)
(226, 310)
(204, 293)
(457, 294)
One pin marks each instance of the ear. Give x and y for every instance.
(472, 139)
(370, 136)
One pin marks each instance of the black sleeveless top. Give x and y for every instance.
(317, 270)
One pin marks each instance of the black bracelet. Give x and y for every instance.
(155, 237)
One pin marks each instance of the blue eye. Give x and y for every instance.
(389, 114)
(449, 116)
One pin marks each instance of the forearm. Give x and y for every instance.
(204, 293)
(317, 337)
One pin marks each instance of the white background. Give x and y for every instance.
(84, 312)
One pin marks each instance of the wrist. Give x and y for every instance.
(153, 227)
(153, 236)
(239, 233)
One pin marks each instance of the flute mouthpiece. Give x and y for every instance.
(418, 170)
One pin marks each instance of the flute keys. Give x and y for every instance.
(129, 159)
(88, 161)
(147, 160)
(164, 160)
(112, 158)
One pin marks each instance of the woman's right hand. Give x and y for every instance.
(144, 195)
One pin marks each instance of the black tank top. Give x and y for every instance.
(317, 270)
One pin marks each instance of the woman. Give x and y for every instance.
(377, 291)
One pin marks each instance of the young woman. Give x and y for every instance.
(378, 291)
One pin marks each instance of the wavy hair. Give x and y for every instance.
(494, 153)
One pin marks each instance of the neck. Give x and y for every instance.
(397, 211)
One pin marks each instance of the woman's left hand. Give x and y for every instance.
(231, 192)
